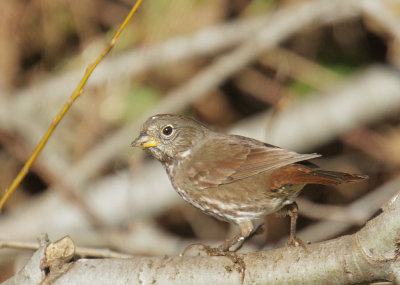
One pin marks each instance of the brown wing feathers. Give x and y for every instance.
(233, 158)
(263, 159)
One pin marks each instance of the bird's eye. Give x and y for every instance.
(167, 130)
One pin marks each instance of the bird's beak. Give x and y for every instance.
(145, 141)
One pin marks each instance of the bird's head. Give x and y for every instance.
(166, 136)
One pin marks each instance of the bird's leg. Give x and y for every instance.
(246, 229)
(223, 250)
(230, 242)
(293, 213)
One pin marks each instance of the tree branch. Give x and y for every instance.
(369, 255)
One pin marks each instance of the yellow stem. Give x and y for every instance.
(79, 90)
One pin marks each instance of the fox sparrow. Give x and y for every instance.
(233, 178)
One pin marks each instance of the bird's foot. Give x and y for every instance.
(238, 261)
(222, 250)
(199, 246)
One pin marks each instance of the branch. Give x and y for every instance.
(79, 250)
(369, 255)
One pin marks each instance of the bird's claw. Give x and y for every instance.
(210, 251)
(233, 256)
(220, 251)
(190, 246)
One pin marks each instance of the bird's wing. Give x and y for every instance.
(231, 158)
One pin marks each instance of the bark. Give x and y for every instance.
(372, 254)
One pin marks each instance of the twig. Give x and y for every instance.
(75, 95)
(261, 86)
(79, 250)
(373, 144)
(335, 213)
(49, 175)
(301, 69)
(19, 244)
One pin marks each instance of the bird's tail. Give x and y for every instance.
(332, 177)
(301, 174)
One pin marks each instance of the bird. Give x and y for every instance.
(233, 178)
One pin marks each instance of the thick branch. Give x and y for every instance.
(366, 256)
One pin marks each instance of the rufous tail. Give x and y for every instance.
(300, 174)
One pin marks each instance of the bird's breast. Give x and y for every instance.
(187, 192)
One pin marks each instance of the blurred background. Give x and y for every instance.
(308, 75)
